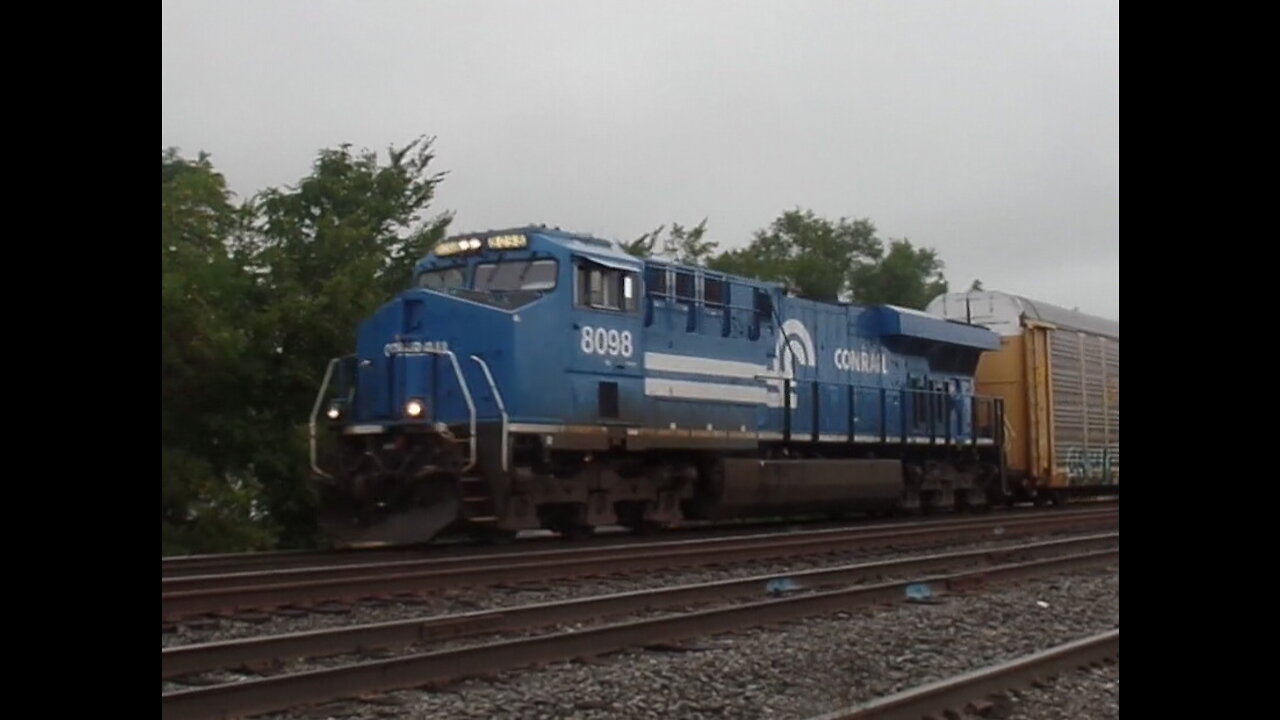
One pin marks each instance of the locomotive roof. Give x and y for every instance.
(603, 248)
(587, 243)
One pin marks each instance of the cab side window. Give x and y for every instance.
(604, 288)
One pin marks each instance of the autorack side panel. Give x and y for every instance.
(1084, 378)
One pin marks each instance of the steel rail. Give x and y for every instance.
(564, 555)
(274, 560)
(189, 659)
(955, 692)
(365, 580)
(443, 666)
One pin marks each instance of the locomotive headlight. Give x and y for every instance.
(414, 408)
(508, 242)
(334, 412)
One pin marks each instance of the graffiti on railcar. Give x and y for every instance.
(1093, 466)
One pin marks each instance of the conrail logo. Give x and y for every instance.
(429, 347)
(794, 347)
(861, 361)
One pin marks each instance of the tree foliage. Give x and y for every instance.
(208, 372)
(814, 256)
(837, 260)
(257, 299)
(327, 253)
(906, 276)
(683, 245)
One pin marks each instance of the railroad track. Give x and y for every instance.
(185, 597)
(184, 565)
(971, 689)
(234, 563)
(807, 593)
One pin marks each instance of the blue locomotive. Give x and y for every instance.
(535, 378)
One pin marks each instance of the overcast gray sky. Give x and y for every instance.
(987, 130)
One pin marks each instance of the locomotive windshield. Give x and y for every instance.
(508, 285)
(536, 275)
(454, 277)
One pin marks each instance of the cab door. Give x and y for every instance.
(605, 334)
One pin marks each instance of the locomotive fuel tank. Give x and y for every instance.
(746, 487)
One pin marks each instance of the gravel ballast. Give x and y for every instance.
(1093, 693)
(459, 600)
(808, 667)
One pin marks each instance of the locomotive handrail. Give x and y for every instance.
(497, 399)
(466, 395)
(315, 410)
(902, 394)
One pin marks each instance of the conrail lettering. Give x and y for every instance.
(862, 361)
(417, 347)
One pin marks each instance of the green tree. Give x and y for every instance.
(814, 256)
(685, 245)
(905, 276)
(838, 260)
(642, 247)
(256, 299)
(325, 254)
(209, 501)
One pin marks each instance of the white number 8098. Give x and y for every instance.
(601, 341)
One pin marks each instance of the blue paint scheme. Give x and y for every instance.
(726, 358)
